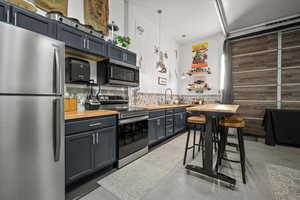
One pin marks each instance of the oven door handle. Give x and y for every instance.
(132, 120)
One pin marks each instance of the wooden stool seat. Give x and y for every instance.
(197, 119)
(231, 124)
(235, 118)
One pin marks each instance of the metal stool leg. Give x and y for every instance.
(194, 141)
(242, 153)
(187, 144)
(200, 138)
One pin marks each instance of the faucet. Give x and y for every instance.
(168, 89)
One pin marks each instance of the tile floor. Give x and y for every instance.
(180, 184)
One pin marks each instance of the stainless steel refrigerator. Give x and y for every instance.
(32, 160)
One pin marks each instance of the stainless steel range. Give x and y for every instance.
(132, 129)
(58, 16)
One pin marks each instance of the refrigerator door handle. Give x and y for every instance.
(57, 78)
(57, 129)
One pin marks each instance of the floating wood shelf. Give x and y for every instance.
(198, 89)
(197, 73)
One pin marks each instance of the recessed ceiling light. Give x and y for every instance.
(183, 35)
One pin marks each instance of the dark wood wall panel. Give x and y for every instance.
(291, 39)
(255, 93)
(254, 78)
(291, 57)
(290, 93)
(290, 105)
(254, 109)
(291, 75)
(254, 127)
(254, 62)
(261, 43)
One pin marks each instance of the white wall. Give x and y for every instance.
(215, 48)
(144, 44)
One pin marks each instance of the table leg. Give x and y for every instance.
(207, 168)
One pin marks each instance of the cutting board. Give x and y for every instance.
(53, 5)
(24, 4)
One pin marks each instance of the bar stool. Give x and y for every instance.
(238, 123)
(194, 121)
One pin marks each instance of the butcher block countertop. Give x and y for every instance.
(157, 107)
(89, 113)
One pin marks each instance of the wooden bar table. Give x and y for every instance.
(211, 110)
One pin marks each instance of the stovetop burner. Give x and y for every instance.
(73, 20)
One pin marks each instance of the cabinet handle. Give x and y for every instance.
(7, 16)
(97, 138)
(93, 138)
(16, 19)
(88, 43)
(158, 122)
(84, 40)
(96, 124)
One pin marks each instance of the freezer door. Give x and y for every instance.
(30, 63)
(32, 163)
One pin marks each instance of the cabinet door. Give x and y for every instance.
(152, 127)
(105, 147)
(4, 12)
(33, 22)
(96, 46)
(73, 38)
(79, 155)
(129, 57)
(177, 122)
(115, 52)
(161, 128)
(169, 130)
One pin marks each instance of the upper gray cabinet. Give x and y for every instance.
(96, 46)
(121, 54)
(32, 21)
(73, 38)
(81, 41)
(4, 12)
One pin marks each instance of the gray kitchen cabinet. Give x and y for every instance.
(79, 155)
(179, 121)
(161, 128)
(121, 54)
(96, 46)
(105, 147)
(90, 145)
(31, 21)
(169, 130)
(73, 38)
(4, 12)
(152, 124)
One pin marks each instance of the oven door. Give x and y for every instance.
(133, 135)
(120, 75)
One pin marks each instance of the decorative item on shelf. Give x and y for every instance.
(24, 4)
(53, 5)
(183, 76)
(96, 14)
(162, 81)
(113, 28)
(160, 65)
(123, 41)
(140, 29)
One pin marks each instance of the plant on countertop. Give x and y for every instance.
(124, 41)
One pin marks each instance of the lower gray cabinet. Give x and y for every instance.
(88, 151)
(79, 155)
(179, 121)
(105, 148)
(156, 129)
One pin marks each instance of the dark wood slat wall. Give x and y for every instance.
(290, 89)
(254, 72)
(255, 75)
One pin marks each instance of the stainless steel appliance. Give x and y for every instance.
(58, 16)
(32, 159)
(132, 129)
(77, 70)
(113, 72)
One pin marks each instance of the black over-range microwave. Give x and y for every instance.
(115, 73)
(77, 70)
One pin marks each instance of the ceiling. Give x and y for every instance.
(199, 19)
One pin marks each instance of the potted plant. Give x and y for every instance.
(123, 41)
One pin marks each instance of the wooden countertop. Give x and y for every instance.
(222, 108)
(89, 113)
(157, 107)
